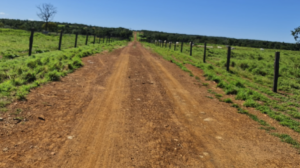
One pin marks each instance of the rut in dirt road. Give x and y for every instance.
(134, 109)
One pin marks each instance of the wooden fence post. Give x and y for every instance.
(94, 38)
(99, 39)
(76, 37)
(103, 39)
(87, 38)
(181, 46)
(174, 46)
(166, 44)
(31, 41)
(276, 71)
(204, 53)
(191, 48)
(170, 43)
(60, 38)
(228, 58)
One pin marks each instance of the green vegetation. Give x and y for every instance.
(14, 43)
(286, 138)
(218, 96)
(69, 28)
(154, 35)
(228, 100)
(19, 75)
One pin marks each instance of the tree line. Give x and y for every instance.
(69, 28)
(155, 35)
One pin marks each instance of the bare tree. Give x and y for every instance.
(47, 12)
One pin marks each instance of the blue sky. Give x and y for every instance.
(270, 20)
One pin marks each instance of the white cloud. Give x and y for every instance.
(2, 13)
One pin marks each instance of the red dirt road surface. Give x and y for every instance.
(131, 108)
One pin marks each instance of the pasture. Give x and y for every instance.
(15, 43)
(19, 72)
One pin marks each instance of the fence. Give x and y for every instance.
(276, 63)
(108, 39)
(14, 42)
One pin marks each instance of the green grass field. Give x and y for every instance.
(20, 74)
(15, 43)
(250, 78)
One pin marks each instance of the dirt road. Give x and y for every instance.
(131, 108)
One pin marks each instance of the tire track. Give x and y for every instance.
(94, 132)
(188, 118)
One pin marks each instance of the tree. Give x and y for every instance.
(47, 12)
(230, 42)
(296, 33)
(51, 26)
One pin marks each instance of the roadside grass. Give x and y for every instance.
(15, 43)
(248, 82)
(286, 138)
(19, 75)
(228, 100)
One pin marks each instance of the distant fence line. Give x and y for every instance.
(276, 62)
(108, 39)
